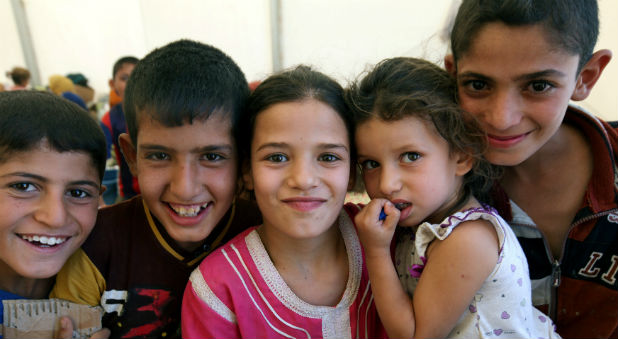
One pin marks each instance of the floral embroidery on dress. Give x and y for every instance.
(416, 270)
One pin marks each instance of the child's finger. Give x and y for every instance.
(391, 215)
(65, 331)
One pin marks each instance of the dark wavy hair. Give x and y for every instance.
(408, 87)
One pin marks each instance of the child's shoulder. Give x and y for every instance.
(117, 221)
(236, 247)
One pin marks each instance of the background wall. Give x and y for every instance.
(340, 37)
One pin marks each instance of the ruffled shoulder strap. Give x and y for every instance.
(427, 232)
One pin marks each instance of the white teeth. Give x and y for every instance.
(185, 211)
(49, 241)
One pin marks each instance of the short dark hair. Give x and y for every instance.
(121, 62)
(572, 25)
(296, 84)
(19, 75)
(403, 87)
(29, 117)
(184, 81)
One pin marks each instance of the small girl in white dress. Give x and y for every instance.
(459, 270)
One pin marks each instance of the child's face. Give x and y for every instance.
(518, 85)
(48, 202)
(407, 162)
(119, 82)
(300, 167)
(187, 174)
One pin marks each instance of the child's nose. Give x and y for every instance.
(52, 210)
(303, 175)
(184, 183)
(503, 111)
(390, 180)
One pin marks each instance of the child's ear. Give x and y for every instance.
(129, 152)
(590, 73)
(464, 163)
(247, 176)
(449, 64)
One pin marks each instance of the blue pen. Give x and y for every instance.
(399, 206)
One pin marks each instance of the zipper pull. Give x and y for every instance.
(555, 273)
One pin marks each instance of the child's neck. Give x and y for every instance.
(551, 184)
(29, 288)
(316, 270)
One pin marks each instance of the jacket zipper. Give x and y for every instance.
(556, 271)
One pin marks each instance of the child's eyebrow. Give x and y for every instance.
(475, 75)
(285, 145)
(45, 180)
(214, 148)
(331, 146)
(273, 145)
(209, 148)
(542, 74)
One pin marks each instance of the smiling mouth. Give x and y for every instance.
(43, 241)
(188, 211)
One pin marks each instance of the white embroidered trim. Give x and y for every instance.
(281, 290)
(200, 287)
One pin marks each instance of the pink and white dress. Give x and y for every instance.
(237, 292)
(502, 307)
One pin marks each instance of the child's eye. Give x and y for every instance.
(23, 186)
(475, 85)
(328, 157)
(410, 157)
(277, 157)
(369, 165)
(157, 156)
(213, 157)
(540, 86)
(78, 193)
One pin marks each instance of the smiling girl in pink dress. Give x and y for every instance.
(301, 273)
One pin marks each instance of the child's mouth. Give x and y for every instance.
(187, 211)
(400, 206)
(43, 241)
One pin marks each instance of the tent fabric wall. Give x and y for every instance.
(340, 37)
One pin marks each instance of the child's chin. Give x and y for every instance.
(42, 271)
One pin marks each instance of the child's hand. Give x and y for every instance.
(376, 234)
(66, 330)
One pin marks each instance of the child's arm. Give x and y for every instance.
(392, 302)
(200, 319)
(456, 269)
